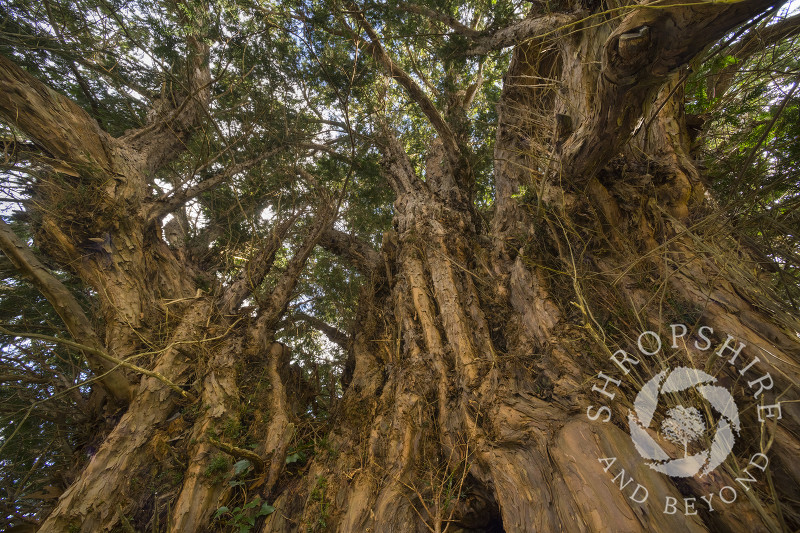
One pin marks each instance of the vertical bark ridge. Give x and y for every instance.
(92, 502)
(201, 492)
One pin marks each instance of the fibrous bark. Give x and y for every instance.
(465, 399)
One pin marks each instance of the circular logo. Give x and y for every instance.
(683, 425)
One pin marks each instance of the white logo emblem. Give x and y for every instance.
(683, 425)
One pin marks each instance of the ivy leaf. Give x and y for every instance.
(293, 458)
(241, 466)
(266, 510)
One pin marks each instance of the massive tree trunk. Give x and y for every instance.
(484, 353)
(482, 362)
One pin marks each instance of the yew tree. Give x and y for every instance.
(325, 265)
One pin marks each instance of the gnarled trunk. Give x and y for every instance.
(486, 390)
(484, 356)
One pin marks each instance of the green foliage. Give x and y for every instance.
(242, 519)
(750, 149)
(240, 467)
(35, 409)
(232, 429)
(295, 457)
(303, 101)
(318, 495)
(218, 468)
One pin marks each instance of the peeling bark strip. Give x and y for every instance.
(200, 493)
(92, 502)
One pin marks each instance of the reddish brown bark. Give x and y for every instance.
(465, 403)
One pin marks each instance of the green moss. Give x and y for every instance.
(219, 466)
(318, 495)
(232, 429)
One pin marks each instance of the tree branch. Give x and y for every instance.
(67, 308)
(416, 93)
(99, 352)
(758, 39)
(484, 42)
(256, 268)
(447, 20)
(397, 166)
(637, 60)
(164, 206)
(241, 453)
(176, 114)
(281, 294)
(518, 32)
(55, 122)
(355, 251)
(334, 335)
(12, 149)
